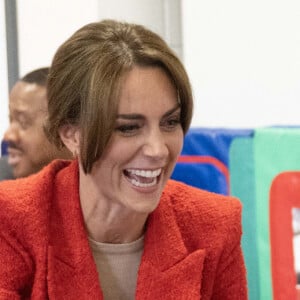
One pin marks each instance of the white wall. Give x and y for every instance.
(44, 25)
(244, 61)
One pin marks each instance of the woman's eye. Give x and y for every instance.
(174, 122)
(171, 123)
(128, 129)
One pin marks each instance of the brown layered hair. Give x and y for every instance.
(86, 76)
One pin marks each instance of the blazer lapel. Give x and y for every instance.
(72, 272)
(168, 270)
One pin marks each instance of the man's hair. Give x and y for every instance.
(38, 76)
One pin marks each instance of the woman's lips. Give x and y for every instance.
(143, 178)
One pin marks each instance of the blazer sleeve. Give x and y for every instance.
(230, 282)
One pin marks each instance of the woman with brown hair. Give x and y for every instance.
(111, 224)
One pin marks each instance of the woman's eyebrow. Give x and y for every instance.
(130, 116)
(141, 117)
(171, 111)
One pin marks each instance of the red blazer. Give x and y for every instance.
(191, 248)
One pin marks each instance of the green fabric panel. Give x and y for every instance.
(275, 150)
(242, 185)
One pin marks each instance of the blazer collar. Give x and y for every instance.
(167, 269)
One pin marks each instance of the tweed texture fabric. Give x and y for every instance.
(191, 247)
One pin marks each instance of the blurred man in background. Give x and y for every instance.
(27, 145)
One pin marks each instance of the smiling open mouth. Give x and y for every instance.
(142, 178)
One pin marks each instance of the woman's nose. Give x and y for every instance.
(156, 146)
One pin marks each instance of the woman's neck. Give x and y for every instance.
(112, 226)
(108, 221)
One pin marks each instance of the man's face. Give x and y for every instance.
(28, 148)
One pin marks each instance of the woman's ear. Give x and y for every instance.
(70, 136)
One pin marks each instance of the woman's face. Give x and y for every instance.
(145, 143)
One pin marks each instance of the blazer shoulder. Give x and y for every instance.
(197, 209)
(188, 198)
(25, 201)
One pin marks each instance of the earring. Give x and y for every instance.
(75, 154)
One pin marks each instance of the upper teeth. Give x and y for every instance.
(145, 173)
